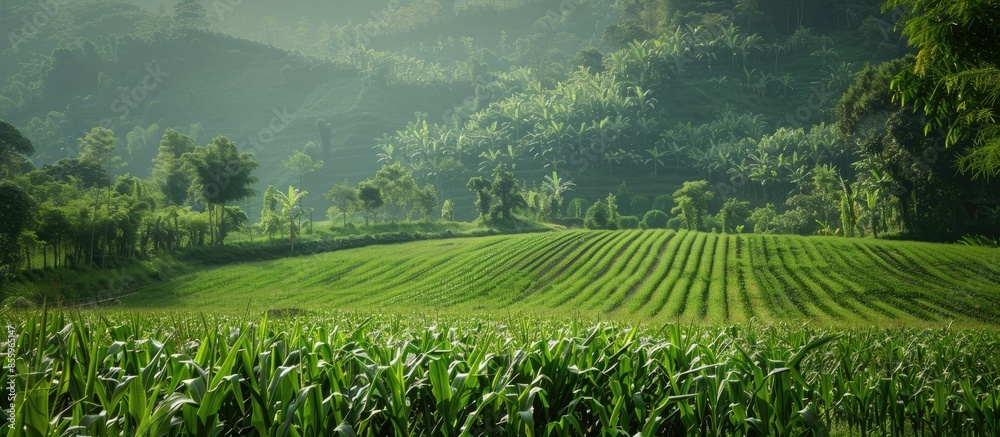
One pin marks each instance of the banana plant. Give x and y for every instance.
(655, 158)
(555, 186)
(290, 210)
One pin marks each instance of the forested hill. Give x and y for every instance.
(200, 82)
(230, 85)
(673, 90)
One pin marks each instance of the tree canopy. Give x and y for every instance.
(955, 77)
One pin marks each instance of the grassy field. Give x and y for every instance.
(656, 276)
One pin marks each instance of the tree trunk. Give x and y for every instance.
(222, 222)
(211, 226)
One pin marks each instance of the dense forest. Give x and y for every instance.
(133, 129)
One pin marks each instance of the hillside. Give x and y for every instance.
(642, 275)
(255, 60)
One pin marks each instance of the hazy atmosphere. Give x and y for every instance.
(500, 217)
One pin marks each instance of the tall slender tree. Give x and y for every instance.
(168, 173)
(220, 174)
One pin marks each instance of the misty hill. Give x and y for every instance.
(353, 72)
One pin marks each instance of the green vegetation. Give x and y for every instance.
(648, 275)
(645, 149)
(298, 373)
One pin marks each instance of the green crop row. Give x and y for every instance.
(371, 375)
(651, 274)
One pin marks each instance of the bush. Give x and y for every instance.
(628, 222)
(17, 303)
(663, 202)
(763, 220)
(599, 217)
(675, 223)
(655, 219)
(734, 214)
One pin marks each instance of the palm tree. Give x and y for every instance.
(290, 209)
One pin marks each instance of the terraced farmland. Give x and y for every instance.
(645, 275)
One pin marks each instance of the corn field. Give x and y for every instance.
(336, 373)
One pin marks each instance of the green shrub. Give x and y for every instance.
(663, 202)
(655, 219)
(675, 223)
(599, 217)
(17, 303)
(628, 222)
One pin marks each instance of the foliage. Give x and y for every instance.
(290, 210)
(15, 216)
(639, 206)
(600, 216)
(168, 168)
(191, 14)
(979, 241)
(663, 202)
(97, 151)
(302, 164)
(426, 201)
(692, 204)
(955, 75)
(14, 147)
(628, 222)
(555, 186)
(397, 188)
(500, 198)
(484, 196)
(913, 171)
(448, 210)
(764, 220)
(733, 215)
(577, 208)
(655, 219)
(781, 380)
(345, 198)
(270, 220)
(370, 199)
(219, 175)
